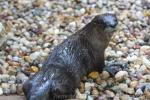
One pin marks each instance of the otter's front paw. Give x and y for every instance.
(115, 67)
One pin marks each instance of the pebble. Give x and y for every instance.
(124, 88)
(84, 1)
(19, 89)
(103, 83)
(16, 58)
(92, 1)
(4, 78)
(133, 84)
(82, 10)
(35, 55)
(28, 58)
(125, 97)
(105, 75)
(21, 77)
(6, 91)
(11, 70)
(146, 62)
(132, 58)
(46, 45)
(121, 75)
(147, 94)
(94, 75)
(80, 96)
(130, 91)
(12, 79)
(5, 87)
(99, 3)
(102, 97)
(89, 85)
(82, 88)
(90, 97)
(138, 92)
(147, 77)
(109, 94)
(95, 92)
(1, 91)
(13, 88)
(34, 69)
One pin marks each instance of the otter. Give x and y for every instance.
(75, 57)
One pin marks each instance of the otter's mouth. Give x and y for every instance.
(110, 30)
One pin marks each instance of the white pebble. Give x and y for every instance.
(80, 96)
(146, 62)
(89, 85)
(35, 55)
(138, 92)
(1, 91)
(120, 75)
(90, 97)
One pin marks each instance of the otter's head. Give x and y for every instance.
(106, 23)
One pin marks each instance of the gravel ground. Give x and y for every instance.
(29, 29)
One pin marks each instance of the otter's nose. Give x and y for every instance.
(114, 23)
(110, 20)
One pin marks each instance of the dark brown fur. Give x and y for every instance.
(78, 55)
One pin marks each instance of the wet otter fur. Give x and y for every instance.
(78, 55)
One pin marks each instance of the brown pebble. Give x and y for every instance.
(95, 92)
(34, 69)
(93, 75)
(27, 58)
(12, 63)
(147, 94)
(133, 84)
(81, 87)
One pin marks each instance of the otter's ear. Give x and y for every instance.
(98, 20)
